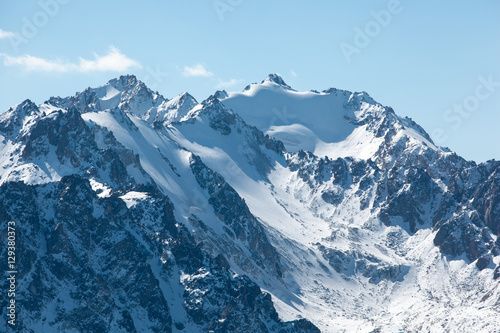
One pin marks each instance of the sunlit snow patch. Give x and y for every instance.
(101, 189)
(133, 197)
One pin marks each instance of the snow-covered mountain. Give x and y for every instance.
(266, 210)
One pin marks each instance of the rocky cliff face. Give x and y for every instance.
(92, 264)
(136, 213)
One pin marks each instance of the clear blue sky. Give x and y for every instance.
(429, 60)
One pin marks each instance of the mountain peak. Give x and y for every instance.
(171, 110)
(185, 96)
(363, 96)
(212, 105)
(124, 81)
(27, 104)
(26, 107)
(221, 94)
(211, 101)
(276, 79)
(125, 92)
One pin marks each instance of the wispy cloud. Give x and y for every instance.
(227, 84)
(113, 61)
(196, 70)
(6, 34)
(293, 73)
(199, 70)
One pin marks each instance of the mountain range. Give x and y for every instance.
(265, 210)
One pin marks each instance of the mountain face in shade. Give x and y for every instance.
(266, 210)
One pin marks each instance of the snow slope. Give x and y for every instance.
(332, 123)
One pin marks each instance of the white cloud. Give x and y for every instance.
(6, 34)
(197, 70)
(113, 61)
(227, 84)
(293, 73)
